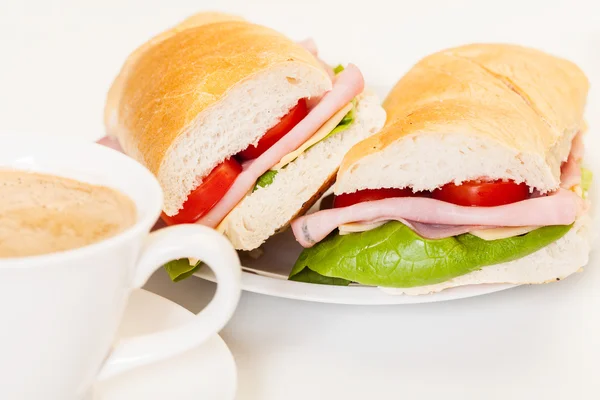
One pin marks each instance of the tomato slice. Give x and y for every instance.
(207, 195)
(472, 193)
(219, 180)
(348, 199)
(482, 193)
(291, 119)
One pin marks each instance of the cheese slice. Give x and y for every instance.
(485, 234)
(354, 227)
(319, 135)
(502, 233)
(221, 227)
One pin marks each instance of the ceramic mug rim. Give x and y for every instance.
(130, 167)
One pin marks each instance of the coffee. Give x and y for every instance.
(42, 214)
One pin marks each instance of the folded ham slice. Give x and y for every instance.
(347, 85)
(560, 208)
(310, 45)
(570, 173)
(571, 170)
(110, 142)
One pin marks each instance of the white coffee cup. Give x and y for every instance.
(60, 312)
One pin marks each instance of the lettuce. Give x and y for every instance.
(393, 255)
(265, 179)
(586, 181)
(181, 269)
(338, 69)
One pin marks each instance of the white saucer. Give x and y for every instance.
(207, 372)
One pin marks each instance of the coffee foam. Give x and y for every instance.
(42, 214)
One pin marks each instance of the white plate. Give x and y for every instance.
(207, 372)
(268, 274)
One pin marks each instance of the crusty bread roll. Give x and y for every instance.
(204, 91)
(484, 110)
(552, 263)
(111, 119)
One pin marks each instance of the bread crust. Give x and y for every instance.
(182, 73)
(114, 93)
(555, 88)
(518, 98)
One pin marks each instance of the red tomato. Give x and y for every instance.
(285, 125)
(481, 193)
(348, 199)
(204, 197)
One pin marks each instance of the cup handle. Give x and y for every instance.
(161, 247)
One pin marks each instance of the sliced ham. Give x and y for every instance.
(428, 231)
(571, 170)
(348, 84)
(439, 231)
(570, 173)
(310, 45)
(111, 142)
(560, 208)
(577, 147)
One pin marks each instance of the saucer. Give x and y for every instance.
(207, 372)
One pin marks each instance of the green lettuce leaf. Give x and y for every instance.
(181, 269)
(393, 255)
(586, 180)
(338, 69)
(265, 179)
(310, 276)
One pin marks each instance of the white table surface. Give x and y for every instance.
(58, 58)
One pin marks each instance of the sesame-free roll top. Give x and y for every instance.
(203, 92)
(488, 111)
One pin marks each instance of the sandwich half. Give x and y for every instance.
(244, 128)
(475, 178)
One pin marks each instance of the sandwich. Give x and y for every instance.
(475, 178)
(244, 128)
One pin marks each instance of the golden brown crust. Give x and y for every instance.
(554, 87)
(521, 98)
(183, 73)
(205, 18)
(114, 93)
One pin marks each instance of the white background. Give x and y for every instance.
(57, 59)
